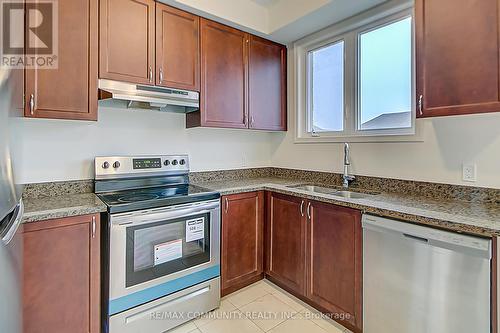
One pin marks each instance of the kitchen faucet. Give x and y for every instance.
(346, 177)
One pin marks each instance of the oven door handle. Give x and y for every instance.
(153, 218)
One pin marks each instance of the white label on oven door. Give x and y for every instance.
(168, 251)
(195, 229)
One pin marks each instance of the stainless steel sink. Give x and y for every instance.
(314, 188)
(358, 194)
(351, 195)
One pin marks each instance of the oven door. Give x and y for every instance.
(166, 248)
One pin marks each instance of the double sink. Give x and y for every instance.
(352, 194)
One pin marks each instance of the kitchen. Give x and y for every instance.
(253, 165)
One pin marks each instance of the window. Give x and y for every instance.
(385, 77)
(357, 80)
(327, 88)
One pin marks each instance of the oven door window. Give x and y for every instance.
(161, 248)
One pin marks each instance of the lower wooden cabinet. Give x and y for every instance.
(61, 290)
(313, 250)
(334, 261)
(285, 241)
(242, 240)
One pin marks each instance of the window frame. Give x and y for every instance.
(309, 85)
(350, 32)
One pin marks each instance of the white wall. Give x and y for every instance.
(53, 150)
(448, 142)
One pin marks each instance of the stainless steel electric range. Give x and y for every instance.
(162, 264)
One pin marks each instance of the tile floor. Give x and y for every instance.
(261, 307)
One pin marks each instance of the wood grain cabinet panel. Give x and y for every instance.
(285, 243)
(61, 291)
(457, 56)
(127, 41)
(177, 48)
(334, 263)
(267, 85)
(242, 240)
(70, 91)
(224, 73)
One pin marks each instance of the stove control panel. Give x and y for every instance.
(128, 166)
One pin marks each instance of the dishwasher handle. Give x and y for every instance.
(427, 236)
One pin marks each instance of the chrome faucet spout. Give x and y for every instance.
(347, 178)
(347, 160)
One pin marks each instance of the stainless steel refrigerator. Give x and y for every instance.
(11, 206)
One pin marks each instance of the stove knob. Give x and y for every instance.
(166, 163)
(116, 165)
(174, 162)
(182, 162)
(105, 165)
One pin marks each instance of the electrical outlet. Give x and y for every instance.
(469, 172)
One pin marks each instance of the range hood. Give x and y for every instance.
(133, 96)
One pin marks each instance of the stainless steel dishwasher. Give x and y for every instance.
(423, 280)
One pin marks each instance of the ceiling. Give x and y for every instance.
(284, 21)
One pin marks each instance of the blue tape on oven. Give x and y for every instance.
(127, 302)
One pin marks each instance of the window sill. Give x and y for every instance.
(417, 137)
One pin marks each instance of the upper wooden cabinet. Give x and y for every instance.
(285, 241)
(242, 240)
(127, 41)
(334, 260)
(177, 48)
(70, 91)
(223, 77)
(61, 282)
(457, 57)
(243, 80)
(267, 85)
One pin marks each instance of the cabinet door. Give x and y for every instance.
(127, 41)
(457, 57)
(223, 76)
(70, 91)
(177, 48)
(286, 232)
(242, 240)
(334, 260)
(267, 85)
(61, 291)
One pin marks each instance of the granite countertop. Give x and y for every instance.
(477, 218)
(53, 207)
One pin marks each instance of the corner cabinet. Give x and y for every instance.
(243, 80)
(267, 91)
(242, 240)
(70, 90)
(457, 50)
(127, 41)
(61, 291)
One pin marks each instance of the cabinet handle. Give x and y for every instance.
(252, 121)
(227, 205)
(32, 104)
(309, 211)
(93, 226)
(302, 208)
(244, 119)
(421, 104)
(150, 74)
(161, 75)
